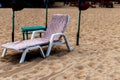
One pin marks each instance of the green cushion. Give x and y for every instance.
(32, 28)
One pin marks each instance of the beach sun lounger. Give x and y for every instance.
(52, 36)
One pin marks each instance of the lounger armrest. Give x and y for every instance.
(35, 32)
(55, 35)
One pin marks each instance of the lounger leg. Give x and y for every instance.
(51, 44)
(4, 52)
(67, 44)
(24, 55)
(49, 48)
(30, 48)
(41, 51)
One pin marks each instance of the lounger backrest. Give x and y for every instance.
(57, 24)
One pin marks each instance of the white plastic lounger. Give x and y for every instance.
(52, 35)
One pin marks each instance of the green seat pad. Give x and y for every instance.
(32, 28)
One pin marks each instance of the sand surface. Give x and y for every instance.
(96, 58)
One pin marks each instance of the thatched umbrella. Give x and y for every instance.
(17, 5)
(83, 5)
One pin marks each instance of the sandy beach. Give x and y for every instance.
(96, 58)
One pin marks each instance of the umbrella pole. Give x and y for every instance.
(46, 13)
(78, 33)
(13, 15)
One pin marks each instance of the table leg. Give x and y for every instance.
(40, 34)
(23, 33)
(27, 35)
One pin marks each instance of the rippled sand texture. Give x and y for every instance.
(96, 58)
